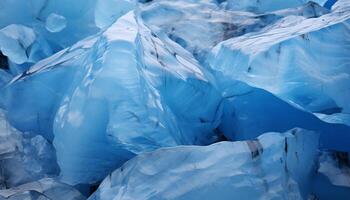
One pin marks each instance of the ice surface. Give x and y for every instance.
(334, 166)
(4, 78)
(55, 23)
(79, 17)
(14, 41)
(125, 99)
(139, 108)
(210, 23)
(21, 46)
(24, 158)
(86, 86)
(249, 112)
(262, 6)
(274, 166)
(332, 178)
(283, 60)
(43, 189)
(107, 11)
(292, 60)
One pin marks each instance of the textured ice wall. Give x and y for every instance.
(107, 80)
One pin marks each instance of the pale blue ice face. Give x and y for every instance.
(24, 157)
(137, 110)
(55, 23)
(266, 168)
(180, 99)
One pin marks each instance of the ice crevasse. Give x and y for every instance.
(183, 99)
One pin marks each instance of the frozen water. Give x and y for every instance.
(292, 60)
(107, 11)
(142, 75)
(210, 24)
(22, 47)
(332, 179)
(249, 112)
(137, 110)
(14, 41)
(43, 189)
(275, 166)
(182, 99)
(266, 168)
(23, 158)
(79, 16)
(262, 6)
(55, 23)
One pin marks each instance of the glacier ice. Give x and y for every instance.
(134, 119)
(262, 6)
(271, 60)
(23, 157)
(15, 39)
(331, 181)
(22, 47)
(43, 189)
(138, 95)
(278, 166)
(107, 11)
(250, 112)
(211, 24)
(274, 166)
(333, 165)
(293, 61)
(79, 16)
(4, 76)
(55, 23)
(182, 99)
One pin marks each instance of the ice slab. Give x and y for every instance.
(199, 25)
(23, 157)
(293, 60)
(250, 112)
(55, 23)
(275, 166)
(43, 189)
(108, 11)
(265, 5)
(123, 93)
